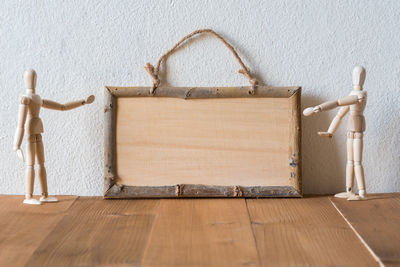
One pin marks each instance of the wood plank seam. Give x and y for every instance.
(201, 232)
(309, 231)
(146, 247)
(378, 260)
(24, 228)
(66, 212)
(254, 234)
(95, 232)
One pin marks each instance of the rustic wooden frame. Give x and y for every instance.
(114, 190)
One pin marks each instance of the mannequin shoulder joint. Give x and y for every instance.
(25, 100)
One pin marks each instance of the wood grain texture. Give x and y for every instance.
(97, 232)
(167, 141)
(91, 231)
(23, 227)
(305, 232)
(201, 232)
(377, 222)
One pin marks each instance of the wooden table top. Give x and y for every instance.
(90, 231)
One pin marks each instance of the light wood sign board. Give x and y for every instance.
(202, 142)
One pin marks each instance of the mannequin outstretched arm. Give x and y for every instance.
(345, 101)
(67, 106)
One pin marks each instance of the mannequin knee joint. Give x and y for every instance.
(355, 135)
(358, 135)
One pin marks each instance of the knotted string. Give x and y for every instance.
(154, 71)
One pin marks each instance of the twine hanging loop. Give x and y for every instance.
(154, 71)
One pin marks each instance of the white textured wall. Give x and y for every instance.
(77, 47)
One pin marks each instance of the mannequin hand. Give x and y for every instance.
(89, 100)
(311, 110)
(20, 154)
(325, 134)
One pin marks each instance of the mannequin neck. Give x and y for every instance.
(30, 91)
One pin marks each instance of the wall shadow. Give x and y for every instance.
(323, 158)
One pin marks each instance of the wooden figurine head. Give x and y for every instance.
(30, 79)
(358, 77)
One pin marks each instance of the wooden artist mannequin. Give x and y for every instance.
(355, 103)
(30, 122)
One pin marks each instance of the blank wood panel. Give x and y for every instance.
(201, 232)
(377, 222)
(304, 232)
(23, 227)
(232, 141)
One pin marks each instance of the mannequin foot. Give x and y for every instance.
(32, 201)
(354, 197)
(363, 195)
(48, 199)
(357, 197)
(344, 194)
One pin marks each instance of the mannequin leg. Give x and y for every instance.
(30, 172)
(349, 168)
(358, 168)
(42, 172)
(350, 163)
